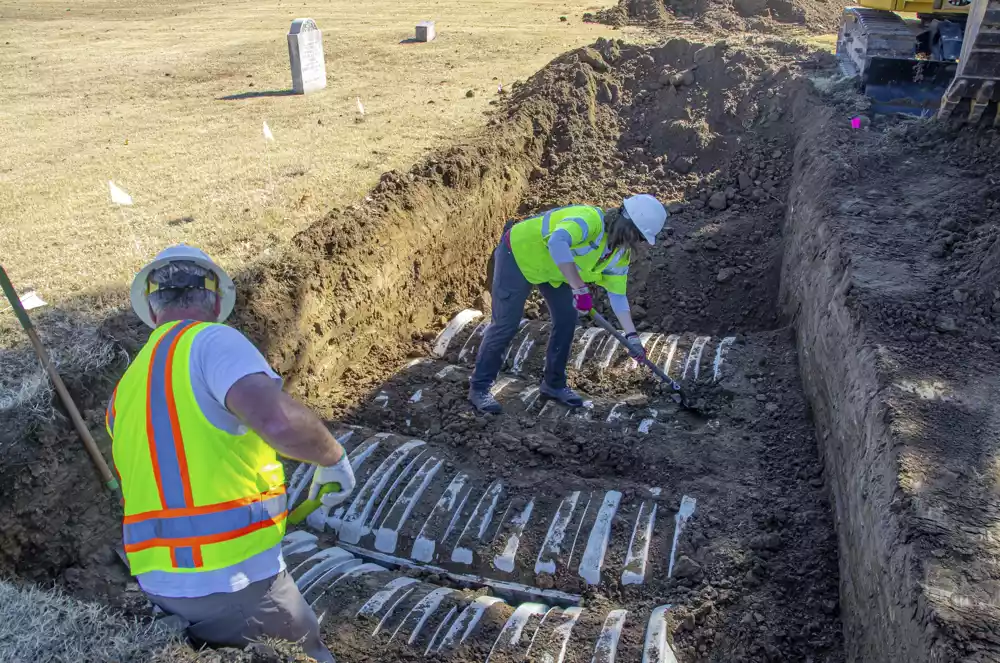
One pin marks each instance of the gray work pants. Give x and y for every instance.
(272, 607)
(510, 291)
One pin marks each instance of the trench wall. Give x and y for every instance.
(906, 543)
(359, 287)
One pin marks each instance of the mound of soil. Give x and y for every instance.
(726, 15)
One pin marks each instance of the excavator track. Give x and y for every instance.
(879, 47)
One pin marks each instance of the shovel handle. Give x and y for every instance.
(302, 511)
(657, 371)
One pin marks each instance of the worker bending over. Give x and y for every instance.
(562, 251)
(197, 422)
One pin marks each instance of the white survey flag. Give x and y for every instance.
(31, 300)
(119, 197)
(361, 107)
(267, 133)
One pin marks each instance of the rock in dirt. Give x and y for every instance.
(675, 207)
(725, 274)
(717, 200)
(946, 323)
(686, 567)
(593, 58)
(744, 181)
(470, 93)
(771, 541)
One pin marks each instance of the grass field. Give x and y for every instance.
(168, 98)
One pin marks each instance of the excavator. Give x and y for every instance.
(925, 56)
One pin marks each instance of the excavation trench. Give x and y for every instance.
(631, 504)
(633, 530)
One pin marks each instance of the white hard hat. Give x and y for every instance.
(140, 284)
(647, 213)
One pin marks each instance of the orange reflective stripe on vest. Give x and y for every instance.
(197, 526)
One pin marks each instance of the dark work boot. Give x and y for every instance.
(484, 402)
(566, 396)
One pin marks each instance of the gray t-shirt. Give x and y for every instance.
(220, 356)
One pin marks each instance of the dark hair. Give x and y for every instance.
(621, 232)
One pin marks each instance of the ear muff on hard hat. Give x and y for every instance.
(647, 213)
(218, 282)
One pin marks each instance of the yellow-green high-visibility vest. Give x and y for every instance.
(588, 244)
(196, 497)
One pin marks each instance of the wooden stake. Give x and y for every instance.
(110, 482)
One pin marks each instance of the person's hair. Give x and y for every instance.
(176, 297)
(621, 232)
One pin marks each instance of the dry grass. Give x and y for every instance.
(40, 626)
(26, 394)
(136, 92)
(47, 626)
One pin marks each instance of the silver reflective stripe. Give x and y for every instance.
(593, 246)
(616, 270)
(546, 219)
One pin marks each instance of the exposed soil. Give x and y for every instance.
(725, 15)
(780, 215)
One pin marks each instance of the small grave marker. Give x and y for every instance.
(305, 52)
(425, 31)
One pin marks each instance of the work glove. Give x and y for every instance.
(332, 483)
(582, 299)
(635, 349)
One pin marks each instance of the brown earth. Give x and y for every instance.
(725, 15)
(781, 214)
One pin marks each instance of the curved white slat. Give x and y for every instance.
(510, 634)
(597, 545)
(423, 547)
(452, 329)
(354, 520)
(423, 611)
(297, 542)
(441, 627)
(607, 643)
(388, 533)
(671, 351)
(638, 547)
(481, 516)
(720, 356)
(381, 597)
(680, 520)
(547, 556)
(466, 622)
(657, 649)
(554, 650)
(505, 560)
(326, 559)
(694, 357)
(586, 339)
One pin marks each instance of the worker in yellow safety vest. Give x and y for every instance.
(562, 251)
(197, 423)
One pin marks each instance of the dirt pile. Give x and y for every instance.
(726, 15)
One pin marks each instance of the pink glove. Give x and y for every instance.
(582, 299)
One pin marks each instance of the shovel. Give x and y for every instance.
(683, 401)
(302, 511)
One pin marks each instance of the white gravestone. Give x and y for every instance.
(425, 31)
(305, 51)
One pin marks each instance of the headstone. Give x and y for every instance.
(305, 51)
(425, 31)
